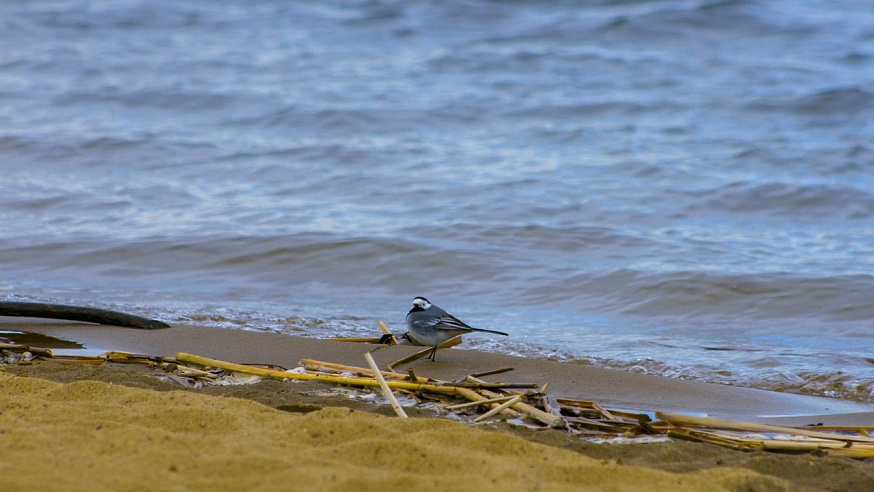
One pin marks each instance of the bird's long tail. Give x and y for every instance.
(491, 331)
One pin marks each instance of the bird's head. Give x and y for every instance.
(420, 304)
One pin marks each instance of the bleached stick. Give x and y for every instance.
(498, 409)
(480, 402)
(385, 389)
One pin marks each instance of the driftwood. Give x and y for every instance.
(78, 313)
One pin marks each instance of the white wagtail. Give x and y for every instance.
(429, 325)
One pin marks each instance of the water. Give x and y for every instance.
(682, 188)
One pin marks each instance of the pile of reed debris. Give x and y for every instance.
(474, 399)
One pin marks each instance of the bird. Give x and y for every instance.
(429, 325)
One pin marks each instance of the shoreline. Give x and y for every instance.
(619, 466)
(608, 387)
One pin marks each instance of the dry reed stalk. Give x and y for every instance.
(492, 372)
(790, 445)
(86, 360)
(15, 346)
(712, 438)
(356, 339)
(855, 451)
(192, 372)
(480, 402)
(385, 389)
(473, 396)
(500, 408)
(317, 365)
(366, 382)
(132, 358)
(21, 348)
(832, 446)
(602, 425)
(707, 422)
(603, 411)
(554, 421)
(422, 353)
(584, 404)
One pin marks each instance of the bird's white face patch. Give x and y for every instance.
(421, 302)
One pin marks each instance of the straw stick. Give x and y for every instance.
(356, 339)
(18, 347)
(492, 372)
(76, 359)
(709, 437)
(604, 412)
(690, 421)
(554, 421)
(385, 389)
(512, 401)
(367, 382)
(480, 402)
(832, 446)
(317, 365)
(476, 397)
(190, 371)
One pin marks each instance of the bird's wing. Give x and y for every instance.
(450, 322)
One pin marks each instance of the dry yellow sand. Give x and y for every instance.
(89, 435)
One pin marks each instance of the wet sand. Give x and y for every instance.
(78, 427)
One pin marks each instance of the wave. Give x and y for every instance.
(847, 101)
(804, 202)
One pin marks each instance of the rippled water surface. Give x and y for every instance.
(682, 188)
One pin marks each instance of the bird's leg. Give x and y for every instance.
(433, 354)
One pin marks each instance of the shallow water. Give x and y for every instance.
(675, 187)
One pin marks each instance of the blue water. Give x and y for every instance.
(682, 188)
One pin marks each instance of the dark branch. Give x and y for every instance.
(77, 313)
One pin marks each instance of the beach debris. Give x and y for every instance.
(844, 441)
(474, 400)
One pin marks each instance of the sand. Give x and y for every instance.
(86, 427)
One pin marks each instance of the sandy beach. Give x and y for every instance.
(80, 427)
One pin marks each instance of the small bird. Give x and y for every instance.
(430, 325)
